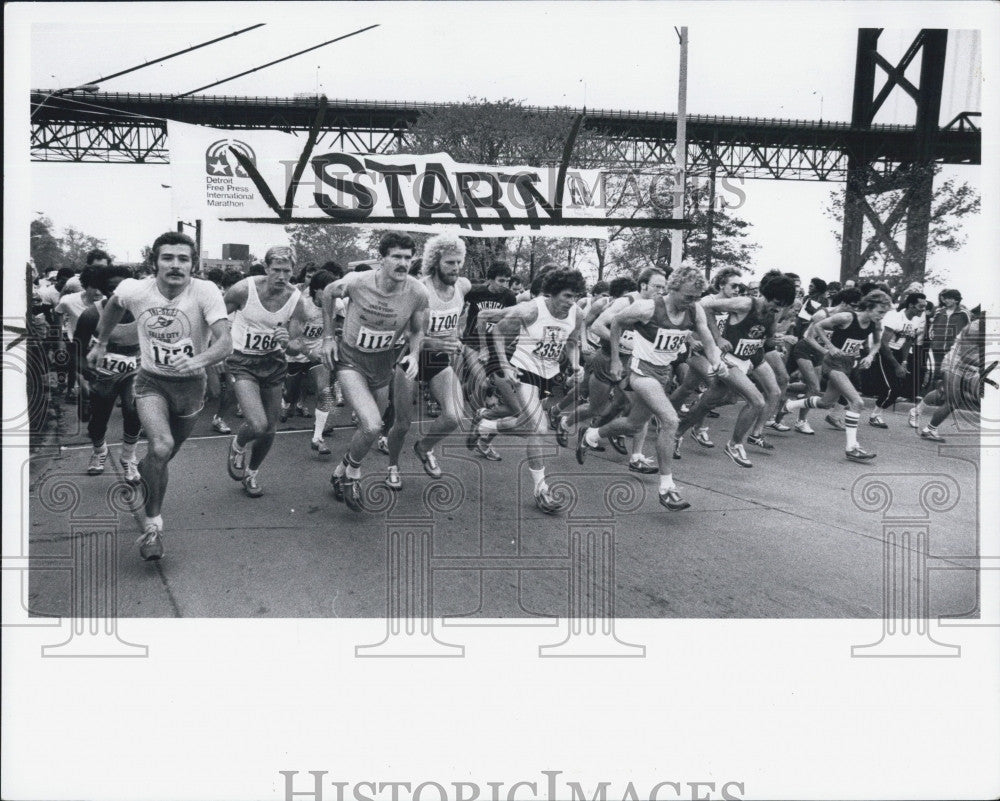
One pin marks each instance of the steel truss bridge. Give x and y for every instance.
(82, 126)
(131, 128)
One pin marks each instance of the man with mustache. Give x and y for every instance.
(174, 313)
(443, 259)
(264, 306)
(384, 303)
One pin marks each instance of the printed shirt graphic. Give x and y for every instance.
(169, 327)
(374, 318)
(906, 329)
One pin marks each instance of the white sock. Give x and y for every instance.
(538, 476)
(250, 473)
(592, 437)
(488, 427)
(128, 452)
(319, 424)
(667, 482)
(354, 473)
(851, 429)
(158, 520)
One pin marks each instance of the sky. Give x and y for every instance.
(774, 61)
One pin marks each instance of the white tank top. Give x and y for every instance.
(254, 326)
(444, 314)
(540, 345)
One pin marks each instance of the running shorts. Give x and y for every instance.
(185, 395)
(268, 370)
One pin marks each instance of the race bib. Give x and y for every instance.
(163, 356)
(443, 322)
(550, 347)
(852, 347)
(747, 348)
(669, 340)
(312, 332)
(259, 342)
(116, 364)
(371, 341)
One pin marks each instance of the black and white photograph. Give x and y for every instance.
(657, 339)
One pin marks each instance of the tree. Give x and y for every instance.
(321, 243)
(951, 201)
(76, 245)
(45, 249)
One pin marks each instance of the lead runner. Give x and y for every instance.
(174, 313)
(384, 303)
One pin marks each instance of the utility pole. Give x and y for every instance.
(680, 153)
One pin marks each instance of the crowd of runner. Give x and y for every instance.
(650, 355)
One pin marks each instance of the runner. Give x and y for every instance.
(964, 375)
(652, 283)
(174, 314)
(263, 307)
(750, 324)
(443, 258)
(545, 327)
(844, 337)
(895, 360)
(112, 380)
(942, 329)
(384, 303)
(662, 327)
(67, 312)
(304, 348)
(806, 356)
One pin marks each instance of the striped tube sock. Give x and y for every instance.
(851, 428)
(803, 403)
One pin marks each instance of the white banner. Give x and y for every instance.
(415, 193)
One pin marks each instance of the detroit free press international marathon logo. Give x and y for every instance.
(226, 182)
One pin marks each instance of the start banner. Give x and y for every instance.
(415, 193)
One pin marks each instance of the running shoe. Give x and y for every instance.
(383, 445)
(97, 460)
(131, 472)
(673, 501)
(582, 446)
(487, 451)
(685, 408)
(713, 414)
(877, 422)
(642, 464)
(760, 442)
(618, 443)
(338, 399)
(251, 486)
(237, 462)
(777, 425)
(914, 419)
(857, 454)
(337, 482)
(545, 502)
(150, 543)
(320, 447)
(428, 460)
(738, 454)
(302, 411)
(701, 437)
(392, 479)
(352, 494)
(803, 427)
(933, 436)
(286, 409)
(218, 424)
(834, 423)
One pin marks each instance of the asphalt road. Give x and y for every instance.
(800, 535)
